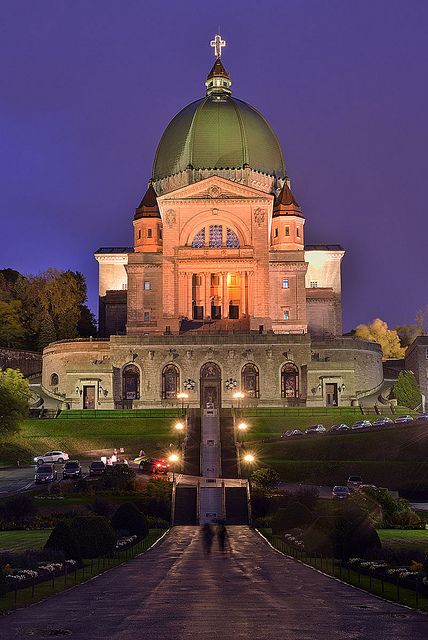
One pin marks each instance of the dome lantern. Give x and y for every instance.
(218, 82)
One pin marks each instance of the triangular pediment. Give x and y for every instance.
(214, 188)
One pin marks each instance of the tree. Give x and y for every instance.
(47, 333)
(378, 332)
(406, 390)
(14, 397)
(87, 324)
(265, 478)
(129, 518)
(407, 333)
(12, 332)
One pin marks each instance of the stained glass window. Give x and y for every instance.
(232, 240)
(216, 235)
(199, 239)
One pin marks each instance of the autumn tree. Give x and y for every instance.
(378, 332)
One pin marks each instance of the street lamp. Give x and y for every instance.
(182, 396)
(249, 458)
(238, 395)
(242, 428)
(179, 428)
(173, 459)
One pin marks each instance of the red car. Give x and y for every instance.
(153, 465)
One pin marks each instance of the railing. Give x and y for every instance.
(412, 594)
(36, 589)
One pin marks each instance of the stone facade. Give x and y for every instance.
(344, 369)
(416, 360)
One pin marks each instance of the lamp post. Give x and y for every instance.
(173, 459)
(182, 396)
(179, 428)
(238, 395)
(242, 429)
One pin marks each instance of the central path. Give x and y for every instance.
(174, 592)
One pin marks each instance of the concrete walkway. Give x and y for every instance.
(174, 592)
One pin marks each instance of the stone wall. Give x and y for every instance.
(416, 360)
(353, 363)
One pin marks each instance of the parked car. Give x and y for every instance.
(45, 473)
(72, 469)
(338, 428)
(96, 468)
(382, 422)
(286, 433)
(52, 456)
(295, 432)
(354, 482)
(340, 493)
(361, 424)
(153, 465)
(422, 417)
(316, 428)
(403, 419)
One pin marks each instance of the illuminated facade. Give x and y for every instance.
(218, 272)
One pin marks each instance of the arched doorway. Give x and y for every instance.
(210, 386)
(130, 385)
(170, 382)
(250, 380)
(289, 381)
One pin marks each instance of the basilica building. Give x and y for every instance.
(219, 285)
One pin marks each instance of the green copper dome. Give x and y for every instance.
(218, 132)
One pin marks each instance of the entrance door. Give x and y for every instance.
(215, 312)
(234, 312)
(331, 394)
(89, 397)
(198, 312)
(210, 384)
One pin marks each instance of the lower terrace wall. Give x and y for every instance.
(69, 366)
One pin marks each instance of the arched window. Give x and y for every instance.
(289, 380)
(131, 382)
(250, 380)
(54, 380)
(170, 381)
(217, 236)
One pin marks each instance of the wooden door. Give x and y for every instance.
(89, 397)
(210, 385)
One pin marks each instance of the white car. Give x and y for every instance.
(403, 420)
(52, 456)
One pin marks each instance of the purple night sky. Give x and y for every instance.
(88, 86)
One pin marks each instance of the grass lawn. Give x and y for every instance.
(23, 540)
(83, 437)
(403, 538)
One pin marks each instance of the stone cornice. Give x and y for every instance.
(119, 258)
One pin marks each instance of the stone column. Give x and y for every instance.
(207, 309)
(225, 296)
(242, 302)
(189, 296)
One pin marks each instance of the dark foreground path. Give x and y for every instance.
(175, 593)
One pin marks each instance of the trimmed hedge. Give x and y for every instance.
(341, 536)
(83, 537)
(295, 516)
(129, 518)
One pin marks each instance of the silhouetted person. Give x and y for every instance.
(207, 537)
(222, 537)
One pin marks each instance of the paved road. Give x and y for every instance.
(174, 592)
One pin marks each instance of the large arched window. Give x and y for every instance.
(54, 380)
(289, 381)
(170, 381)
(250, 380)
(131, 382)
(216, 235)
